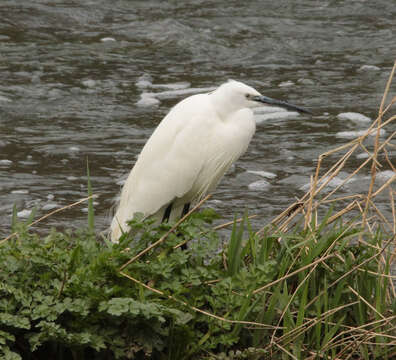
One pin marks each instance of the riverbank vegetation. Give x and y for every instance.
(315, 283)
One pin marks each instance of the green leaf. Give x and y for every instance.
(91, 213)
(235, 247)
(15, 321)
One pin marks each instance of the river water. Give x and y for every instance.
(91, 79)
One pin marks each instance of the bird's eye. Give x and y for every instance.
(248, 96)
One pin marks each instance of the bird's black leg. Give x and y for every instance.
(186, 209)
(167, 213)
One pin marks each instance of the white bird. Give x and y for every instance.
(189, 152)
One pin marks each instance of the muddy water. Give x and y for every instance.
(91, 79)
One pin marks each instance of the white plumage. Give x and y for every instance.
(189, 152)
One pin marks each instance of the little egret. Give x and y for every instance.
(189, 152)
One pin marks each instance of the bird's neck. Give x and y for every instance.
(223, 106)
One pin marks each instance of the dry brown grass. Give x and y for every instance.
(362, 206)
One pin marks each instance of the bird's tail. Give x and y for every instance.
(117, 228)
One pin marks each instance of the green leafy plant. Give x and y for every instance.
(63, 294)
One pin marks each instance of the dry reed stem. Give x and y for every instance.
(312, 191)
(315, 356)
(306, 202)
(351, 271)
(329, 249)
(380, 215)
(351, 346)
(324, 180)
(388, 84)
(373, 333)
(365, 301)
(50, 214)
(388, 160)
(297, 331)
(392, 201)
(229, 223)
(285, 351)
(350, 329)
(291, 299)
(387, 183)
(348, 342)
(369, 154)
(379, 274)
(376, 145)
(334, 170)
(356, 343)
(361, 329)
(338, 166)
(342, 212)
(164, 236)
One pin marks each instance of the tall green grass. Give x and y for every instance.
(303, 294)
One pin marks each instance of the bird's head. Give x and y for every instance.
(239, 95)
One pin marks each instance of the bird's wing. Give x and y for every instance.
(170, 161)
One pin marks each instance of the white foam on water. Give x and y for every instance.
(215, 201)
(147, 99)
(5, 162)
(4, 99)
(27, 163)
(20, 191)
(259, 185)
(85, 210)
(144, 81)
(355, 134)
(74, 148)
(172, 86)
(265, 174)
(24, 213)
(386, 175)
(286, 83)
(281, 115)
(333, 183)
(70, 178)
(170, 94)
(49, 206)
(362, 155)
(369, 68)
(268, 109)
(353, 116)
(305, 81)
(105, 39)
(89, 83)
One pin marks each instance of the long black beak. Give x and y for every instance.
(280, 103)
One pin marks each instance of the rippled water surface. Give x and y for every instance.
(91, 80)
